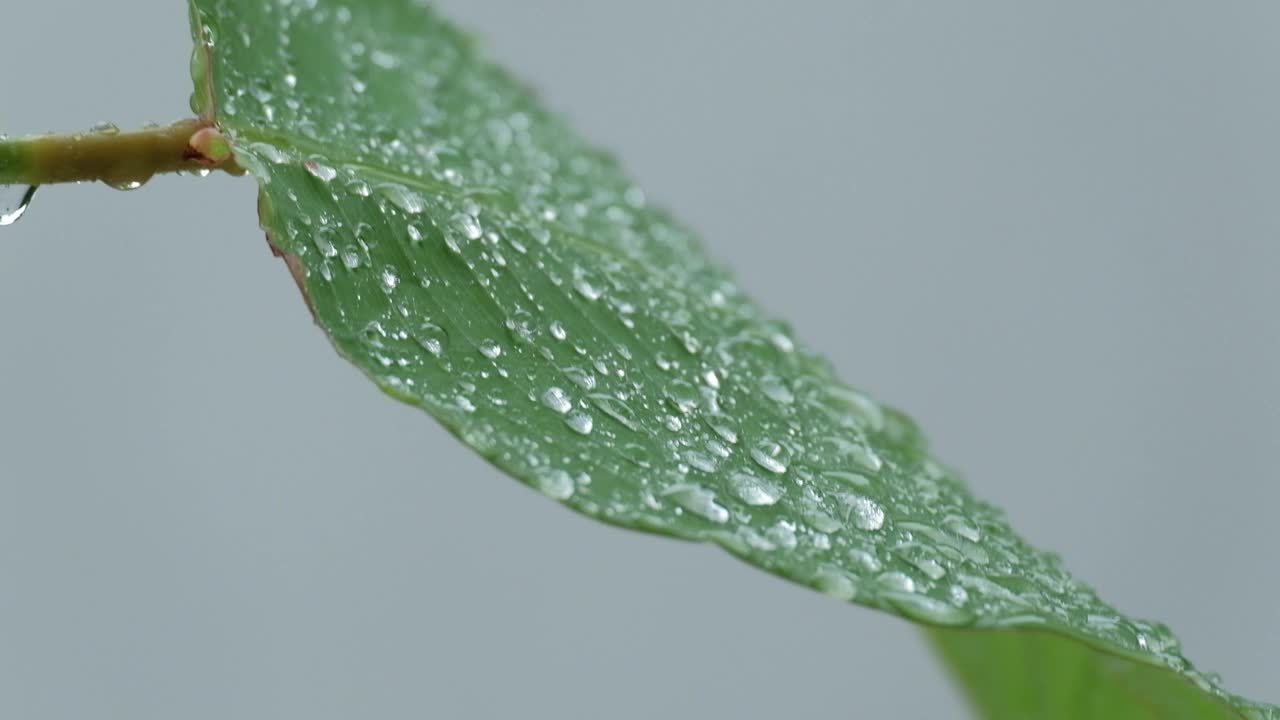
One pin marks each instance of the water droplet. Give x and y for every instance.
(835, 583)
(782, 342)
(866, 457)
(389, 279)
(520, 326)
(359, 187)
(860, 409)
(580, 423)
(634, 197)
(717, 447)
(771, 456)
(782, 534)
(896, 581)
(260, 88)
(11, 215)
(848, 478)
(683, 396)
(432, 337)
(832, 446)
(490, 349)
(323, 240)
(557, 331)
(864, 560)
(616, 409)
(775, 388)
(754, 490)
(555, 484)
(697, 500)
(689, 342)
(556, 399)
(374, 333)
(816, 517)
(865, 512)
(700, 461)
(468, 225)
(351, 258)
(320, 171)
(384, 60)
(962, 528)
(724, 426)
(928, 609)
(403, 198)
(930, 567)
(586, 289)
(580, 377)
(269, 152)
(125, 185)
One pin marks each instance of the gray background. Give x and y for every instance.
(1047, 229)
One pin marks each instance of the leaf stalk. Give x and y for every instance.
(120, 159)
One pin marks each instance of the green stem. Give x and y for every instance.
(116, 158)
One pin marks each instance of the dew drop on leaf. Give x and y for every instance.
(683, 396)
(320, 171)
(323, 240)
(556, 399)
(403, 198)
(835, 583)
(555, 484)
(580, 377)
(897, 582)
(580, 423)
(351, 258)
(389, 279)
(700, 461)
(755, 490)
(432, 337)
(770, 455)
(864, 560)
(697, 500)
(865, 512)
(776, 390)
(469, 226)
(616, 409)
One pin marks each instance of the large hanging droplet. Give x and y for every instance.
(11, 213)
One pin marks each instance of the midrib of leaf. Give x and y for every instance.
(301, 143)
(665, 275)
(306, 145)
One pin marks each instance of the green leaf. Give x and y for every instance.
(476, 259)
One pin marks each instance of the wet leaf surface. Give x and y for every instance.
(474, 258)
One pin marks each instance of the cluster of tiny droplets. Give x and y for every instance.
(477, 260)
